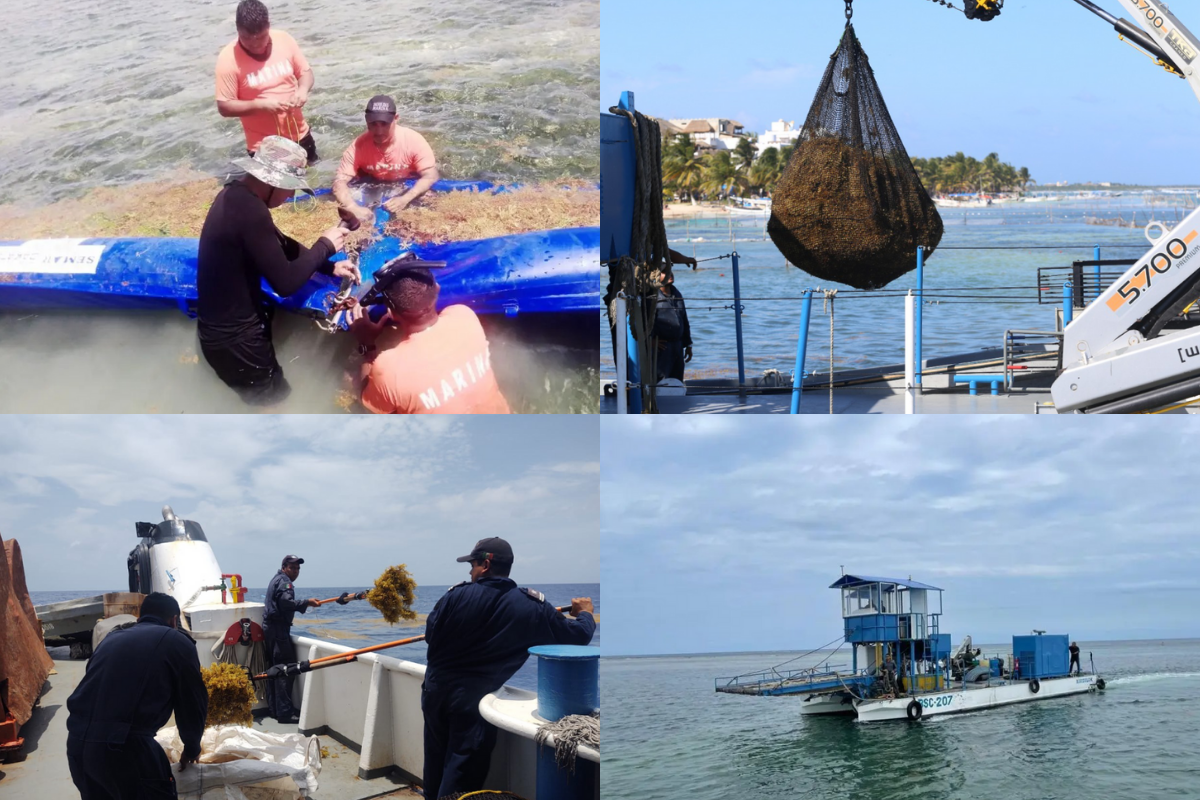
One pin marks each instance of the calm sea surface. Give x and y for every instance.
(993, 290)
(669, 735)
(118, 91)
(357, 624)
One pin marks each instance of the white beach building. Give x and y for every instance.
(713, 133)
(782, 133)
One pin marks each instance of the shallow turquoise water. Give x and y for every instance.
(117, 91)
(669, 735)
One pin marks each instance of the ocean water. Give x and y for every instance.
(114, 91)
(972, 295)
(670, 735)
(357, 624)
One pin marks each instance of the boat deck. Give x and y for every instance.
(40, 769)
(884, 398)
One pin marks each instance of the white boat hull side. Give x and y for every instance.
(840, 703)
(959, 701)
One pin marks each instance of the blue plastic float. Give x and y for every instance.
(540, 272)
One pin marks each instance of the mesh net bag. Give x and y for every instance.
(850, 207)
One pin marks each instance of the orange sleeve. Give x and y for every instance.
(348, 167)
(373, 398)
(299, 62)
(423, 157)
(227, 76)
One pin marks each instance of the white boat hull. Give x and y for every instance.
(840, 703)
(972, 699)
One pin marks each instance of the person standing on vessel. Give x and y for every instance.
(281, 609)
(264, 80)
(386, 152)
(239, 247)
(671, 330)
(137, 678)
(479, 635)
(1074, 648)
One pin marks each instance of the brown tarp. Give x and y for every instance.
(24, 662)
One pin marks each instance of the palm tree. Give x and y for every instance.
(745, 153)
(681, 167)
(719, 173)
(765, 172)
(1024, 177)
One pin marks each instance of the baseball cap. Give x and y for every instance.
(495, 549)
(292, 560)
(381, 109)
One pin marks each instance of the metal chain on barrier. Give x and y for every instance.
(849, 10)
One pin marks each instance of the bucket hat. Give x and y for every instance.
(278, 162)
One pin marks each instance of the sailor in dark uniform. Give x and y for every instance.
(277, 636)
(135, 680)
(479, 635)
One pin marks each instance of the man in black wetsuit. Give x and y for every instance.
(479, 635)
(281, 609)
(135, 680)
(239, 246)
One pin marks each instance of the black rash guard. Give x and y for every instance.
(240, 245)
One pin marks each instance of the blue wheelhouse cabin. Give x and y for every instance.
(892, 625)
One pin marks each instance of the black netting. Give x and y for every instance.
(983, 10)
(850, 207)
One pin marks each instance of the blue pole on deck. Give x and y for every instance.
(798, 375)
(737, 318)
(920, 287)
(1068, 304)
(1097, 271)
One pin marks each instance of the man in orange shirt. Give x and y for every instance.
(386, 152)
(264, 79)
(429, 363)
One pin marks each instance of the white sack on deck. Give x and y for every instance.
(271, 766)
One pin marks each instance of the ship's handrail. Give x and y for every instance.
(809, 674)
(373, 705)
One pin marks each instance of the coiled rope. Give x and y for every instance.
(636, 277)
(570, 732)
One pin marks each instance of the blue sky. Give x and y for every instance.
(724, 534)
(351, 495)
(1047, 84)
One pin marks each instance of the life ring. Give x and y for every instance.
(914, 710)
(1035, 686)
(1100, 684)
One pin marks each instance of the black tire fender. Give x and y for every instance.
(1100, 684)
(1035, 686)
(914, 710)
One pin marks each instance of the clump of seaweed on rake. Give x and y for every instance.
(393, 594)
(230, 695)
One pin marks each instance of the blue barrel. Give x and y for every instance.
(568, 683)
(568, 680)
